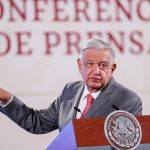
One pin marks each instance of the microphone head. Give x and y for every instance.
(77, 109)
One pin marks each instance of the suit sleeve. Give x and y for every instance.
(34, 121)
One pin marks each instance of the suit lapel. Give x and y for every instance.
(77, 98)
(98, 104)
(101, 100)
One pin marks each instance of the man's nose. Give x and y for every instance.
(96, 69)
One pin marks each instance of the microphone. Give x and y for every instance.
(78, 110)
(115, 107)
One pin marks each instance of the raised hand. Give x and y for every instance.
(4, 96)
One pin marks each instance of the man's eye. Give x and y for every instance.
(103, 64)
(90, 63)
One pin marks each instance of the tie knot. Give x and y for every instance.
(89, 98)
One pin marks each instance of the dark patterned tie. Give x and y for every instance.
(88, 104)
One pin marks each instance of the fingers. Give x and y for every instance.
(4, 95)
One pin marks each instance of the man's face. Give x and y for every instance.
(96, 68)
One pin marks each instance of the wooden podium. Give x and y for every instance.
(88, 134)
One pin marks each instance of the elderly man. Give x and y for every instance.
(97, 95)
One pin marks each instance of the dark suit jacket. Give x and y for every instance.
(61, 111)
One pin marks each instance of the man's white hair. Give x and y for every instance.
(97, 44)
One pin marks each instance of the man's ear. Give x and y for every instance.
(79, 64)
(113, 67)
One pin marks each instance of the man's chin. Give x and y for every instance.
(96, 86)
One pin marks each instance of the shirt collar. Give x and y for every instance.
(86, 92)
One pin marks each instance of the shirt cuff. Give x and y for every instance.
(2, 105)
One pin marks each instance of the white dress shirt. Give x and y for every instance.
(83, 100)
